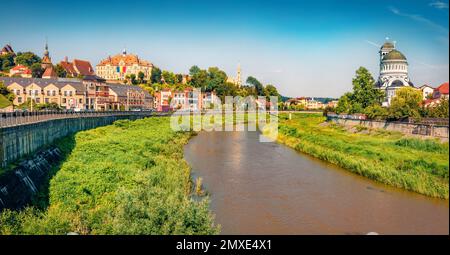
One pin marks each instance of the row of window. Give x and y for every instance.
(48, 92)
(46, 100)
(393, 67)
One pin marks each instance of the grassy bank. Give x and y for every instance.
(127, 178)
(417, 165)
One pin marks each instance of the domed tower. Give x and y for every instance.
(393, 71)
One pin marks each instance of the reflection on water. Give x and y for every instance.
(267, 188)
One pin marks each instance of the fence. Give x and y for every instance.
(9, 119)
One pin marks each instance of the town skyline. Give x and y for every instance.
(274, 50)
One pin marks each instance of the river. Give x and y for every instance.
(268, 188)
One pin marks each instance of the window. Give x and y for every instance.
(65, 93)
(46, 100)
(48, 92)
(70, 93)
(53, 93)
(81, 100)
(64, 100)
(19, 100)
(38, 100)
(17, 92)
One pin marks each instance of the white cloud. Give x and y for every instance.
(373, 43)
(420, 19)
(439, 5)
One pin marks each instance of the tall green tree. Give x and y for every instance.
(364, 91)
(169, 77)
(155, 76)
(216, 78)
(27, 59)
(255, 83)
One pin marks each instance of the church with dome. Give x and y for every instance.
(393, 71)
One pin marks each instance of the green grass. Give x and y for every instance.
(4, 102)
(127, 178)
(417, 165)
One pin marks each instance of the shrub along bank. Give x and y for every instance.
(387, 157)
(127, 178)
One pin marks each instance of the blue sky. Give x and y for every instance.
(305, 48)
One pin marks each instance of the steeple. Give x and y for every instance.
(46, 60)
(238, 78)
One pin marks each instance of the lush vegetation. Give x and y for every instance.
(6, 96)
(388, 157)
(366, 99)
(127, 178)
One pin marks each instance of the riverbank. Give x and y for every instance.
(126, 178)
(417, 165)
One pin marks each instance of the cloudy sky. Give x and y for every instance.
(305, 48)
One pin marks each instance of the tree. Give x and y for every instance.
(169, 77)
(376, 112)
(133, 79)
(60, 71)
(27, 59)
(405, 103)
(6, 62)
(255, 83)
(155, 76)
(36, 70)
(216, 78)
(141, 77)
(364, 91)
(199, 77)
(6, 92)
(271, 90)
(344, 104)
(439, 111)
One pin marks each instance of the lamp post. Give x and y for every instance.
(32, 97)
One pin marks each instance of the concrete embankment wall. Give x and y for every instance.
(423, 130)
(19, 141)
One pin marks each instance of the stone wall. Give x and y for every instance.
(424, 130)
(23, 140)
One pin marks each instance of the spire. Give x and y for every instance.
(238, 78)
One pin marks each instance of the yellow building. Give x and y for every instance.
(119, 66)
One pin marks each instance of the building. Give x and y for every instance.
(393, 71)
(20, 70)
(427, 91)
(314, 105)
(236, 81)
(127, 97)
(441, 92)
(333, 103)
(7, 49)
(46, 59)
(77, 67)
(49, 73)
(162, 100)
(91, 93)
(116, 68)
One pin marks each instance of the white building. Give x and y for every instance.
(393, 71)
(427, 91)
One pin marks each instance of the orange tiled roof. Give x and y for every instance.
(443, 88)
(128, 59)
(49, 72)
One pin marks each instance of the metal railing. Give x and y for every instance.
(10, 119)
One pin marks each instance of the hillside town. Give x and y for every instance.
(121, 82)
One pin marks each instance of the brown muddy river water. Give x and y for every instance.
(268, 188)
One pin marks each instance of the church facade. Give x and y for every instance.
(393, 71)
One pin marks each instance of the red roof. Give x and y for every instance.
(443, 88)
(84, 67)
(78, 67)
(49, 72)
(19, 67)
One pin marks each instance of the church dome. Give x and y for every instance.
(394, 55)
(387, 45)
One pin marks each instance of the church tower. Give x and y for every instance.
(238, 78)
(46, 60)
